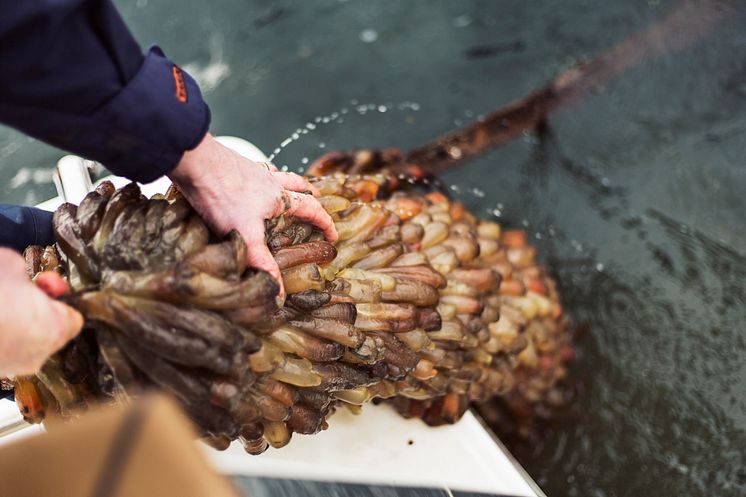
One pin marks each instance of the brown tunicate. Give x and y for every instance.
(421, 272)
(303, 277)
(306, 346)
(412, 291)
(417, 303)
(308, 300)
(331, 329)
(316, 252)
(380, 257)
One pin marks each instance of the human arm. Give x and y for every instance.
(74, 76)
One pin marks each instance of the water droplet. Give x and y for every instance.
(304, 160)
(335, 117)
(599, 267)
(368, 35)
(605, 181)
(497, 212)
(538, 236)
(525, 223)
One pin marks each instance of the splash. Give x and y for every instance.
(336, 117)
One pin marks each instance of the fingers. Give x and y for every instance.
(268, 166)
(52, 284)
(296, 183)
(309, 209)
(259, 255)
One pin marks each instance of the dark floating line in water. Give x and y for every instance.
(485, 51)
(683, 25)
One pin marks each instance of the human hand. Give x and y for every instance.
(232, 192)
(33, 326)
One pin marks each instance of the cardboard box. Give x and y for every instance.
(143, 450)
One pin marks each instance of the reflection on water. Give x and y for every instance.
(635, 197)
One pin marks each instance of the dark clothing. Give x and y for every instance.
(72, 75)
(24, 226)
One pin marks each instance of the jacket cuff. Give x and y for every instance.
(24, 226)
(157, 117)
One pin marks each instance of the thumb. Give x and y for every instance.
(69, 322)
(52, 284)
(260, 257)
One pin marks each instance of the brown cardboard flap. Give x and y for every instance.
(145, 449)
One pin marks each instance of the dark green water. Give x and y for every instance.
(636, 198)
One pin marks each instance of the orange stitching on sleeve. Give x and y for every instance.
(181, 93)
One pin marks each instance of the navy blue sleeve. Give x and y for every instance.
(73, 76)
(24, 226)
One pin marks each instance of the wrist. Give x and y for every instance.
(194, 164)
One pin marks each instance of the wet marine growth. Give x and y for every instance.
(418, 304)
